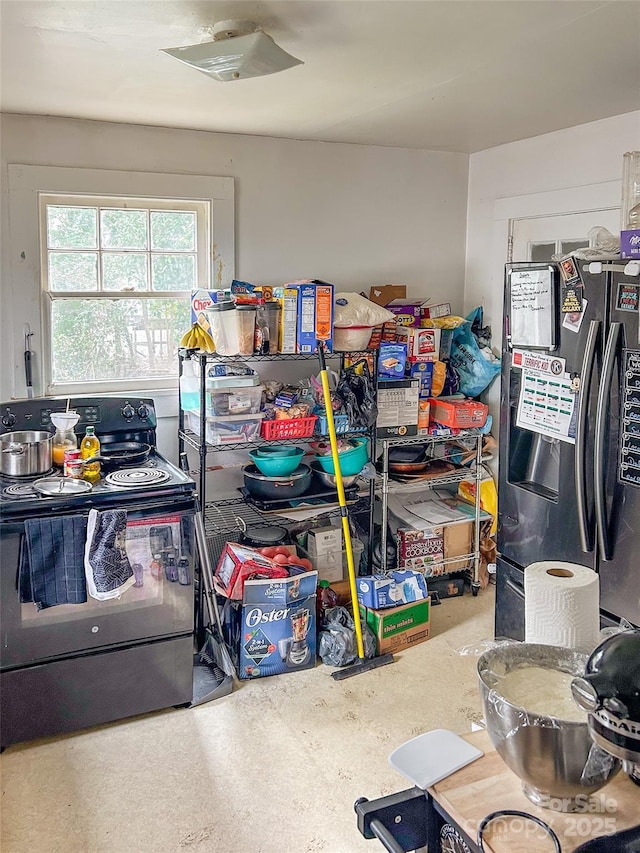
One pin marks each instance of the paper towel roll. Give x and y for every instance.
(562, 605)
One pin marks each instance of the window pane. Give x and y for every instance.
(173, 231)
(105, 339)
(123, 229)
(124, 271)
(71, 227)
(173, 272)
(542, 251)
(73, 271)
(568, 246)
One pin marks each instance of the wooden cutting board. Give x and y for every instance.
(487, 785)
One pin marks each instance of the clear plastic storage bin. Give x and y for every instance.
(232, 429)
(222, 402)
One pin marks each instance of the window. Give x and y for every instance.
(117, 274)
(106, 264)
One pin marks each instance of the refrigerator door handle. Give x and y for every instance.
(584, 399)
(602, 427)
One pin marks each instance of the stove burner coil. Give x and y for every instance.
(130, 478)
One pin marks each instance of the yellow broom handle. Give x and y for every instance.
(343, 502)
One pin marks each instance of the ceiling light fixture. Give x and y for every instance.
(239, 49)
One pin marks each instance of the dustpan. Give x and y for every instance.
(213, 669)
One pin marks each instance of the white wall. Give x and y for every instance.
(350, 214)
(568, 164)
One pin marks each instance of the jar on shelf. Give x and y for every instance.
(65, 437)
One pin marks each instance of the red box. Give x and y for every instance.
(420, 543)
(459, 414)
(238, 563)
(421, 343)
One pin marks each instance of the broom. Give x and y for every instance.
(362, 665)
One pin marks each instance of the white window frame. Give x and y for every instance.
(28, 188)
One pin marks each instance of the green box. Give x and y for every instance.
(398, 628)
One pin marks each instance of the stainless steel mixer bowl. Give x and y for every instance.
(551, 756)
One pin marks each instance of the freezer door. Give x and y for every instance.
(545, 494)
(617, 465)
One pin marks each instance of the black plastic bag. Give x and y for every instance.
(358, 397)
(337, 644)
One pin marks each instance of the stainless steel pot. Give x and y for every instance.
(25, 454)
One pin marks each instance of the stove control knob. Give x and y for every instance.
(143, 412)
(128, 411)
(8, 420)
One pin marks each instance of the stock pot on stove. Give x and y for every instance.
(26, 453)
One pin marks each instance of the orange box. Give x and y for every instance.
(423, 417)
(461, 414)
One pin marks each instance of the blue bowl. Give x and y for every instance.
(279, 466)
(351, 461)
(278, 450)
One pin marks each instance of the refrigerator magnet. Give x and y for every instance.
(627, 298)
(571, 301)
(570, 273)
(573, 320)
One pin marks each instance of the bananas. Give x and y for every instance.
(197, 338)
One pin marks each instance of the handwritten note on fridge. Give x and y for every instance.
(532, 303)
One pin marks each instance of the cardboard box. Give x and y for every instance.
(459, 414)
(408, 311)
(380, 591)
(458, 540)
(237, 563)
(421, 343)
(630, 244)
(322, 540)
(397, 407)
(278, 626)
(441, 309)
(288, 319)
(386, 293)
(315, 316)
(423, 372)
(392, 360)
(423, 416)
(399, 628)
(200, 301)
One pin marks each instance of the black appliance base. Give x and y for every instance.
(75, 693)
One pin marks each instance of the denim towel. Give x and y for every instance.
(52, 561)
(107, 569)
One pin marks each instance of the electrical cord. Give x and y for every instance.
(514, 813)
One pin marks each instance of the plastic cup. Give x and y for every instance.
(273, 322)
(224, 327)
(246, 319)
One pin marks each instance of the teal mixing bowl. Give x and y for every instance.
(351, 461)
(277, 466)
(271, 452)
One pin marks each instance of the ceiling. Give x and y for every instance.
(451, 75)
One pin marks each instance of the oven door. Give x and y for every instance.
(158, 606)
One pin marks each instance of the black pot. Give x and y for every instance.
(264, 536)
(122, 454)
(277, 488)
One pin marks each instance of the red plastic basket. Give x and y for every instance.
(288, 428)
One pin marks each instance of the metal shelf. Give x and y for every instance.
(440, 480)
(193, 440)
(220, 516)
(429, 439)
(276, 356)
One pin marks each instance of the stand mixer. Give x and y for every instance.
(610, 693)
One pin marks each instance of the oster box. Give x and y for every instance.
(278, 626)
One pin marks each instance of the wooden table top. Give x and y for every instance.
(487, 785)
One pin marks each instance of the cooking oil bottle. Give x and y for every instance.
(89, 447)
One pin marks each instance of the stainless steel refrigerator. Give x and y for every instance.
(569, 478)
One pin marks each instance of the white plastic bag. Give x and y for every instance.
(351, 309)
